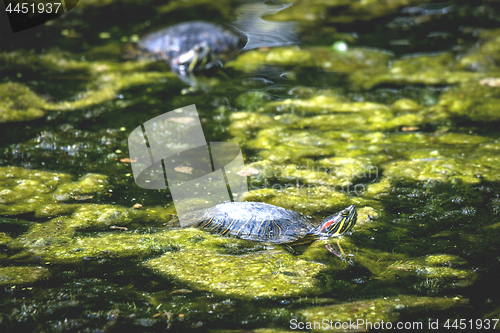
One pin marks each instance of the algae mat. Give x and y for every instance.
(391, 106)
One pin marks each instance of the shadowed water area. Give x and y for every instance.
(392, 106)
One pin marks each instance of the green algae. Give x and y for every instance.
(472, 100)
(57, 209)
(19, 103)
(485, 56)
(309, 151)
(341, 11)
(252, 60)
(355, 59)
(428, 275)
(103, 216)
(291, 154)
(438, 169)
(432, 69)
(375, 311)
(431, 268)
(252, 100)
(253, 270)
(265, 273)
(92, 217)
(55, 232)
(22, 275)
(223, 7)
(26, 187)
(405, 104)
(357, 116)
(104, 81)
(428, 69)
(23, 191)
(366, 68)
(245, 122)
(65, 249)
(434, 273)
(442, 259)
(379, 189)
(87, 184)
(323, 104)
(4, 239)
(333, 173)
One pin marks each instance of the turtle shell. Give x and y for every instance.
(171, 42)
(255, 221)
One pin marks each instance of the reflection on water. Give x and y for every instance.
(250, 18)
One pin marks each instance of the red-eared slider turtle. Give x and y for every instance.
(261, 222)
(192, 46)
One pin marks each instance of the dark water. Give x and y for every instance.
(415, 219)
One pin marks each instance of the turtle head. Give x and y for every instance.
(197, 58)
(339, 223)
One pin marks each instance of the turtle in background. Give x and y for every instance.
(194, 47)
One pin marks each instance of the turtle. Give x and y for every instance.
(193, 46)
(262, 222)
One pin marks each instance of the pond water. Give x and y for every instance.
(390, 106)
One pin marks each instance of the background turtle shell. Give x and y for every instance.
(255, 221)
(171, 42)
